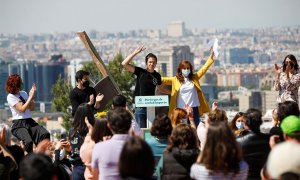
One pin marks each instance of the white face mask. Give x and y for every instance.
(239, 125)
(185, 72)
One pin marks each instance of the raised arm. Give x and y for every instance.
(29, 103)
(126, 63)
(205, 67)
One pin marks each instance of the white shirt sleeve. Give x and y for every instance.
(12, 100)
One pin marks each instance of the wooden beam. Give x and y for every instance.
(96, 58)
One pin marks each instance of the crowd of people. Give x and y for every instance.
(181, 145)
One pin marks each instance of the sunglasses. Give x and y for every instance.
(289, 62)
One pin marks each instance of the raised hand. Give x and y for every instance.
(139, 49)
(99, 97)
(214, 106)
(212, 54)
(32, 91)
(189, 111)
(277, 69)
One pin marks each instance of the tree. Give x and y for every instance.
(95, 75)
(123, 78)
(61, 101)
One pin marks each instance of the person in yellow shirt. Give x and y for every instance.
(186, 90)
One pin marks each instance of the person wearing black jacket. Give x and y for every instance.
(76, 136)
(181, 153)
(255, 145)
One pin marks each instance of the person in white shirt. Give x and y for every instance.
(221, 157)
(20, 103)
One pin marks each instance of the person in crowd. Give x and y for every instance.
(97, 133)
(146, 81)
(60, 160)
(106, 154)
(77, 135)
(291, 128)
(284, 161)
(287, 79)
(83, 93)
(284, 110)
(221, 157)
(15, 150)
(255, 145)
(237, 124)
(186, 90)
(182, 116)
(136, 160)
(119, 101)
(7, 161)
(214, 116)
(20, 103)
(182, 151)
(160, 131)
(37, 166)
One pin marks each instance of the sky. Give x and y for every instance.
(48, 16)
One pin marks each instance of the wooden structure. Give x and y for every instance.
(106, 85)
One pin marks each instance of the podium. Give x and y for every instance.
(150, 102)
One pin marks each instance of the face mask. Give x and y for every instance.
(185, 72)
(86, 83)
(239, 125)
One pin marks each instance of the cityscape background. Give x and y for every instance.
(38, 41)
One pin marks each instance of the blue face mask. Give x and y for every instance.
(239, 125)
(185, 72)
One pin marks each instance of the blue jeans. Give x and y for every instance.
(196, 115)
(141, 116)
(78, 172)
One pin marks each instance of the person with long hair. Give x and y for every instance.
(21, 104)
(217, 115)
(221, 157)
(136, 160)
(97, 133)
(146, 81)
(237, 124)
(186, 90)
(182, 116)
(77, 135)
(182, 151)
(287, 79)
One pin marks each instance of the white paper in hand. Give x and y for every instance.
(214, 44)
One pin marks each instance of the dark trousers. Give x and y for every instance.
(196, 115)
(29, 132)
(141, 116)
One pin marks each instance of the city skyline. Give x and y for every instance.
(34, 16)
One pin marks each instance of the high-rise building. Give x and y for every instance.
(46, 75)
(3, 78)
(240, 56)
(169, 59)
(176, 29)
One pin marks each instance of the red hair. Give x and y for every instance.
(182, 65)
(13, 84)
